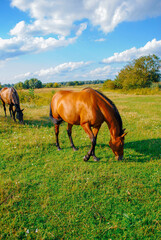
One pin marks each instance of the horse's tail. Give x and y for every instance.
(54, 120)
(50, 114)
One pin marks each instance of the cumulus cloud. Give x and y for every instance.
(151, 47)
(53, 71)
(58, 16)
(17, 46)
(59, 23)
(62, 68)
(99, 73)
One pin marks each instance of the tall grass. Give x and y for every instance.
(50, 194)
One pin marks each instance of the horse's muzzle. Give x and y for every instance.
(118, 158)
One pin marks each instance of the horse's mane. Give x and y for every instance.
(116, 112)
(15, 96)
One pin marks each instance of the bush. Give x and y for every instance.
(27, 96)
(109, 84)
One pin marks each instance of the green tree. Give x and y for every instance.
(56, 85)
(35, 83)
(19, 85)
(140, 73)
(49, 85)
(109, 84)
(26, 84)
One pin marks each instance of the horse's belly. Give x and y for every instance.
(70, 118)
(5, 99)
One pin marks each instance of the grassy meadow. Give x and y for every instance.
(50, 194)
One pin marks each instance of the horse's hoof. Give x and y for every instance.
(59, 149)
(96, 159)
(86, 158)
(75, 149)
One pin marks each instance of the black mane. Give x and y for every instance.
(116, 112)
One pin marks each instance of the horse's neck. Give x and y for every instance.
(114, 130)
(112, 122)
(15, 98)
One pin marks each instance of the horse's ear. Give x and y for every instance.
(123, 135)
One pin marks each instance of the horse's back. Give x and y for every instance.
(9, 96)
(76, 107)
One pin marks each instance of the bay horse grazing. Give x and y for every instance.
(10, 96)
(88, 108)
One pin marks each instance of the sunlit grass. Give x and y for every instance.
(50, 194)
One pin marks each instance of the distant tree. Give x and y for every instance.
(49, 85)
(56, 85)
(76, 83)
(19, 85)
(70, 84)
(140, 73)
(35, 83)
(26, 84)
(109, 84)
(0, 86)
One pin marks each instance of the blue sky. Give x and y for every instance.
(59, 40)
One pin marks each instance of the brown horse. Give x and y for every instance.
(10, 96)
(88, 108)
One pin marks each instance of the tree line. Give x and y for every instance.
(35, 83)
(140, 73)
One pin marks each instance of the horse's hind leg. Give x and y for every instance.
(12, 112)
(69, 131)
(56, 134)
(93, 137)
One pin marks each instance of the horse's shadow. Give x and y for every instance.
(146, 150)
(43, 121)
(140, 151)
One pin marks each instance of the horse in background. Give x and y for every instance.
(10, 96)
(88, 108)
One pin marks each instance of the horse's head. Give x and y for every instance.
(19, 115)
(117, 146)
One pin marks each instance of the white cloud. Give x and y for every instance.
(100, 40)
(151, 47)
(59, 16)
(54, 71)
(59, 23)
(99, 73)
(17, 46)
(62, 68)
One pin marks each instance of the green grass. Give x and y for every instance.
(50, 194)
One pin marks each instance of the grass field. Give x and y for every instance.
(50, 194)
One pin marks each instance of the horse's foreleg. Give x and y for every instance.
(56, 134)
(93, 137)
(14, 112)
(10, 109)
(4, 109)
(69, 131)
(95, 132)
